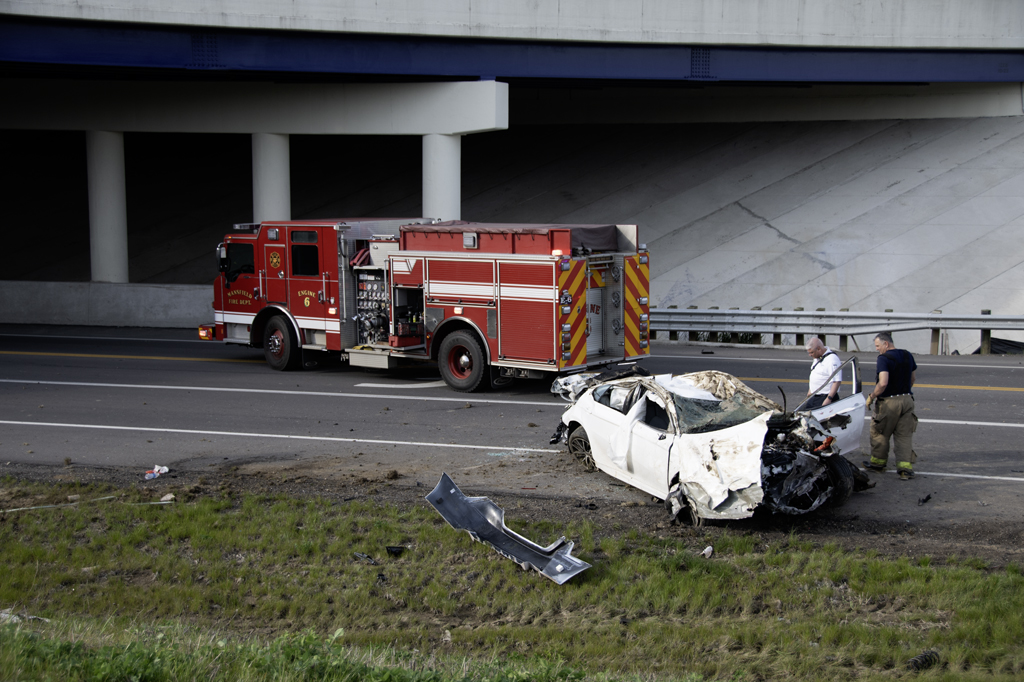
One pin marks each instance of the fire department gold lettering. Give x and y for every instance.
(306, 292)
(240, 292)
(239, 301)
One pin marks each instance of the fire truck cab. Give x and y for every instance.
(485, 301)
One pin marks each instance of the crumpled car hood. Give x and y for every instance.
(721, 470)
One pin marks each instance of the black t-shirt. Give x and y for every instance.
(899, 364)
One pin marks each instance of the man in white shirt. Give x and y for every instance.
(822, 391)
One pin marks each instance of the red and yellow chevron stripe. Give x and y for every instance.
(573, 281)
(637, 287)
(596, 279)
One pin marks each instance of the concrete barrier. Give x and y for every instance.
(104, 304)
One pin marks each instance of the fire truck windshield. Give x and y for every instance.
(240, 259)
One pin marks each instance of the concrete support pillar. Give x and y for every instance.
(442, 176)
(108, 213)
(271, 177)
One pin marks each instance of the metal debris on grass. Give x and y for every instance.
(485, 523)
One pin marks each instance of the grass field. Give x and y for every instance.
(271, 587)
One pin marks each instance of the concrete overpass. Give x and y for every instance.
(681, 119)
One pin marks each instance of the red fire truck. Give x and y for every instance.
(493, 301)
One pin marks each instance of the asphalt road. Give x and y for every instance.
(136, 398)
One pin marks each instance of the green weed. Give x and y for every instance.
(251, 588)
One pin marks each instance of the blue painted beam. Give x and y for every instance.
(146, 46)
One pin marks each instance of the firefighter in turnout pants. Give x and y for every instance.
(894, 408)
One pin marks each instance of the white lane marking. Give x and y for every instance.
(395, 397)
(954, 422)
(428, 384)
(101, 338)
(265, 391)
(987, 478)
(965, 423)
(807, 361)
(459, 446)
(938, 473)
(243, 434)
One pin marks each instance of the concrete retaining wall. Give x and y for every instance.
(102, 304)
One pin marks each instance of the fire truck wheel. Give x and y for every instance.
(461, 361)
(279, 347)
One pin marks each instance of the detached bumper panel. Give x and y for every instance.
(485, 522)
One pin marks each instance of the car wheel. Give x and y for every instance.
(678, 505)
(279, 345)
(840, 474)
(461, 361)
(579, 447)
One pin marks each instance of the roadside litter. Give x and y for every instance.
(925, 659)
(156, 471)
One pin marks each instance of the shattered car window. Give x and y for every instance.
(655, 414)
(618, 397)
(701, 416)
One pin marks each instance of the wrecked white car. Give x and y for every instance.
(709, 445)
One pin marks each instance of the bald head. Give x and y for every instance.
(815, 348)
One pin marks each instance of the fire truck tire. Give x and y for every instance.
(279, 345)
(461, 361)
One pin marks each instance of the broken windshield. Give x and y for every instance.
(700, 416)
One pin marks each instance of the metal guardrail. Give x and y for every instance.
(821, 322)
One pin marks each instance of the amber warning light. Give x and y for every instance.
(206, 333)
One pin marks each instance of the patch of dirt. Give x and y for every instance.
(873, 520)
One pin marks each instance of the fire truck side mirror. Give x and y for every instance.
(222, 258)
